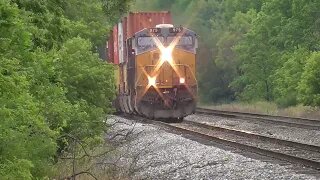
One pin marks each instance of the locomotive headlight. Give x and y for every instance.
(182, 80)
(166, 54)
(152, 81)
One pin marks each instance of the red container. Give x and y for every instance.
(124, 24)
(110, 48)
(137, 21)
(115, 45)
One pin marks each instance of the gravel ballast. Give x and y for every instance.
(301, 135)
(154, 153)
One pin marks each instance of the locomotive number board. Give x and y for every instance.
(171, 30)
(176, 30)
(154, 30)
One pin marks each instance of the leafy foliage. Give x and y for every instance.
(276, 49)
(287, 77)
(309, 86)
(52, 83)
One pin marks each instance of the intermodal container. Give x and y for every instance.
(115, 45)
(120, 42)
(137, 21)
(124, 24)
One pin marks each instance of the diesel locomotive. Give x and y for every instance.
(155, 64)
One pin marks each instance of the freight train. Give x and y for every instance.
(155, 66)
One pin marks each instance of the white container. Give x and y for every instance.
(120, 43)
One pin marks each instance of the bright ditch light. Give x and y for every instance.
(152, 81)
(182, 80)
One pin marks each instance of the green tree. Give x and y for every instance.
(52, 83)
(89, 87)
(22, 127)
(309, 86)
(287, 77)
(25, 139)
(280, 28)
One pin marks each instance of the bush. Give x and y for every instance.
(309, 86)
(287, 101)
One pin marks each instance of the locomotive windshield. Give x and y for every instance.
(183, 40)
(148, 42)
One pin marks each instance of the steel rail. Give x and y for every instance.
(200, 133)
(266, 152)
(256, 136)
(305, 123)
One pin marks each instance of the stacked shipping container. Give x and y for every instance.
(141, 20)
(124, 24)
(109, 48)
(115, 59)
(127, 27)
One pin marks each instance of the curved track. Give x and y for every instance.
(305, 123)
(290, 151)
(294, 152)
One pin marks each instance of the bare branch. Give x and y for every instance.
(79, 173)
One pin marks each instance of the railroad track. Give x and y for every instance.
(293, 152)
(305, 123)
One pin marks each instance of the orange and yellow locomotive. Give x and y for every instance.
(156, 73)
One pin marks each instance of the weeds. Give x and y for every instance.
(269, 108)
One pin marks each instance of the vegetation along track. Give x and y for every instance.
(294, 152)
(305, 123)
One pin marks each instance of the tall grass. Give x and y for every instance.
(269, 108)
